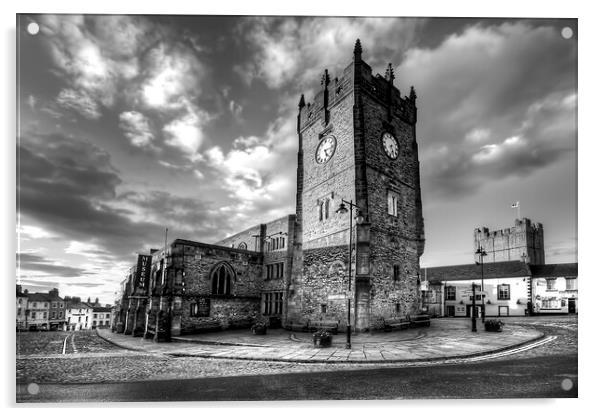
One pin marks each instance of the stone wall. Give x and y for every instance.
(251, 238)
(325, 282)
(189, 280)
(523, 242)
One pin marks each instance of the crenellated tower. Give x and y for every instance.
(523, 242)
(357, 142)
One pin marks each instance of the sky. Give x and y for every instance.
(131, 124)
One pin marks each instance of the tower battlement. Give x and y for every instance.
(358, 74)
(523, 242)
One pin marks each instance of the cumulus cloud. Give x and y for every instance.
(80, 102)
(136, 127)
(259, 172)
(173, 76)
(95, 55)
(297, 49)
(185, 132)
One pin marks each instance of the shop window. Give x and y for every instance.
(503, 292)
(450, 293)
(571, 284)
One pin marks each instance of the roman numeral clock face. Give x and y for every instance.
(326, 149)
(390, 145)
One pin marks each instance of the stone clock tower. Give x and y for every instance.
(357, 142)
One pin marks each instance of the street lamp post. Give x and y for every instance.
(481, 252)
(343, 210)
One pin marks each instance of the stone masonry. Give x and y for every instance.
(523, 242)
(299, 267)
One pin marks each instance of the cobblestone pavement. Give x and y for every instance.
(105, 363)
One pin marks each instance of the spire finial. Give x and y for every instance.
(389, 74)
(357, 51)
(325, 78)
(302, 102)
(412, 93)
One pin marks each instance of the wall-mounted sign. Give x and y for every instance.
(143, 269)
(204, 307)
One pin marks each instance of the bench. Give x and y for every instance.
(396, 323)
(419, 320)
(202, 327)
(297, 326)
(331, 326)
(240, 323)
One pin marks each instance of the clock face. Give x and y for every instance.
(326, 149)
(390, 145)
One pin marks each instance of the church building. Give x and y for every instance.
(351, 249)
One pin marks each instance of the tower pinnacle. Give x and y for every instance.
(357, 51)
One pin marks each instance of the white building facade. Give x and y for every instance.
(79, 317)
(502, 289)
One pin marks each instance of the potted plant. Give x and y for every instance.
(259, 328)
(322, 339)
(493, 325)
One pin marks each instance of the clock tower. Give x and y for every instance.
(357, 143)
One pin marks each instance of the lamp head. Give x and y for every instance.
(359, 217)
(342, 209)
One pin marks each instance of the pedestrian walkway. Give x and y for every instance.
(444, 339)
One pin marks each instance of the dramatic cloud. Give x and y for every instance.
(95, 55)
(131, 124)
(136, 128)
(258, 172)
(494, 101)
(79, 102)
(39, 264)
(185, 132)
(173, 77)
(298, 50)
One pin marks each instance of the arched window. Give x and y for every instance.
(242, 246)
(221, 278)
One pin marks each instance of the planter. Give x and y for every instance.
(493, 325)
(322, 339)
(259, 330)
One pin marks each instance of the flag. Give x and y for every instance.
(516, 204)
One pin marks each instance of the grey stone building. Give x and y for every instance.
(357, 151)
(522, 242)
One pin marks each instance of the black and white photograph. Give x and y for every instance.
(234, 208)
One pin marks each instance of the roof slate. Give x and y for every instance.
(497, 271)
(473, 271)
(555, 270)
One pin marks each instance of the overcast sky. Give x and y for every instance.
(128, 125)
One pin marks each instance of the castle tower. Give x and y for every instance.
(357, 142)
(523, 242)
